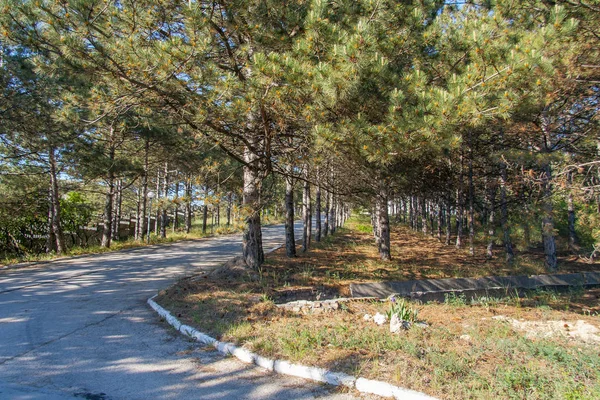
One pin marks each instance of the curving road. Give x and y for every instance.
(81, 328)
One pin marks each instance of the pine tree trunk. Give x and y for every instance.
(188, 204)
(108, 208)
(510, 255)
(158, 208)
(176, 210)
(318, 213)
(138, 211)
(326, 214)
(51, 239)
(440, 220)
(411, 221)
(141, 222)
(383, 222)
(110, 193)
(471, 200)
(163, 217)
(229, 205)
(205, 210)
(573, 240)
(290, 240)
(548, 221)
(55, 203)
(423, 215)
(448, 220)
(117, 214)
(252, 237)
(491, 220)
(459, 206)
(332, 210)
(306, 217)
(431, 219)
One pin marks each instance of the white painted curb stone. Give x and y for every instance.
(286, 368)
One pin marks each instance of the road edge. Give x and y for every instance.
(284, 367)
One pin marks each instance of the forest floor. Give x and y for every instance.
(544, 345)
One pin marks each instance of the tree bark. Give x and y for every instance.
(163, 218)
(411, 213)
(306, 214)
(176, 209)
(188, 204)
(318, 213)
(326, 212)
(158, 208)
(423, 212)
(573, 240)
(491, 220)
(440, 220)
(252, 238)
(141, 222)
(55, 202)
(290, 240)
(118, 206)
(205, 210)
(510, 255)
(471, 199)
(548, 221)
(332, 209)
(108, 204)
(459, 206)
(448, 220)
(384, 224)
(51, 239)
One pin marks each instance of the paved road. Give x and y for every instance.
(81, 328)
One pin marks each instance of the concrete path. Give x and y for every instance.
(81, 328)
(501, 286)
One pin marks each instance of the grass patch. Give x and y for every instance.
(466, 351)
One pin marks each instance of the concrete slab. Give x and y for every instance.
(592, 278)
(436, 289)
(558, 280)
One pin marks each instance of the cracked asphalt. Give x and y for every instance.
(80, 328)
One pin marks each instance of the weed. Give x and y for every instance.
(452, 299)
(265, 298)
(402, 310)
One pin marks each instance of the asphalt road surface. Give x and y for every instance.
(81, 328)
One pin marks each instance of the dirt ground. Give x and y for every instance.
(350, 257)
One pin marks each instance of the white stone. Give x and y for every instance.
(264, 362)
(395, 324)
(368, 317)
(186, 330)
(386, 390)
(244, 355)
(379, 319)
(202, 338)
(302, 371)
(466, 338)
(374, 387)
(340, 379)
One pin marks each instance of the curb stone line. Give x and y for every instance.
(286, 368)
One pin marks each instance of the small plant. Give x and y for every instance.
(265, 298)
(453, 299)
(402, 310)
